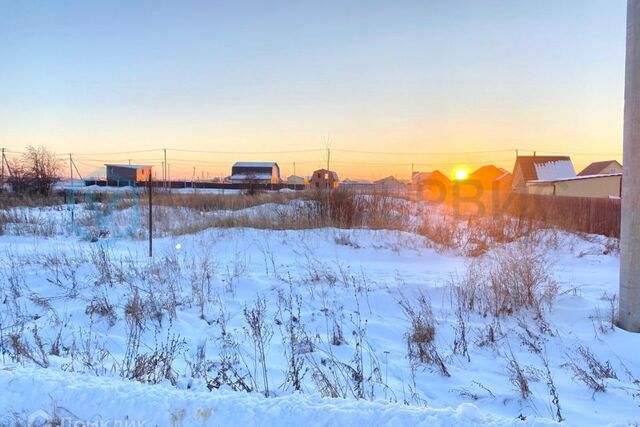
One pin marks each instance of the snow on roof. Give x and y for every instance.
(255, 164)
(128, 166)
(574, 178)
(555, 170)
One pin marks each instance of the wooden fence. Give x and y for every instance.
(584, 214)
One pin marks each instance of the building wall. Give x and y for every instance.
(296, 180)
(253, 170)
(115, 173)
(323, 179)
(142, 174)
(546, 189)
(592, 187)
(600, 187)
(613, 167)
(518, 183)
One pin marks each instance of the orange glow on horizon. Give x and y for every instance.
(460, 174)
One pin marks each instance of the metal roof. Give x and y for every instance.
(128, 166)
(255, 164)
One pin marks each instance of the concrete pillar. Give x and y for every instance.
(630, 232)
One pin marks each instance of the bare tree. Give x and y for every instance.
(36, 171)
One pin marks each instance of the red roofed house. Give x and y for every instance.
(486, 176)
(540, 168)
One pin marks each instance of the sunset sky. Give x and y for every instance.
(282, 80)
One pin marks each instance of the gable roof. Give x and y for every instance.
(597, 167)
(488, 173)
(439, 176)
(255, 164)
(544, 167)
(389, 180)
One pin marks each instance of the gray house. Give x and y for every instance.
(255, 172)
(130, 174)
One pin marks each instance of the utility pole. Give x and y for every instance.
(150, 216)
(294, 168)
(629, 309)
(165, 166)
(70, 169)
(76, 169)
(328, 158)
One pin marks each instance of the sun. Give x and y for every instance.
(460, 174)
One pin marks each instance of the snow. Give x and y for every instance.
(348, 273)
(91, 399)
(549, 171)
(244, 177)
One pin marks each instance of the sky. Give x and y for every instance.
(384, 85)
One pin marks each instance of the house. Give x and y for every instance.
(486, 176)
(436, 187)
(600, 186)
(602, 168)
(255, 173)
(418, 180)
(504, 183)
(357, 185)
(297, 180)
(540, 168)
(324, 179)
(130, 174)
(389, 182)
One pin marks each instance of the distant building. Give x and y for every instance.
(540, 168)
(486, 176)
(389, 182)
(255, 173)
(606, 167)
(324, 179)
(504, 183)
(417, 180)
(297, 180)
(131, 174)
(602, 186)
(433, 186)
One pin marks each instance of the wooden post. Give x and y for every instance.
(2, 172)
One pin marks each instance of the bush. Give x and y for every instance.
(421, 336)
(510, 279)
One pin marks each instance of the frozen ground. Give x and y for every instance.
(97, 331)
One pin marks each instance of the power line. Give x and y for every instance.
(424, 153)
(242, 152)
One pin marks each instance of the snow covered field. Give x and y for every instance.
(244, 326)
